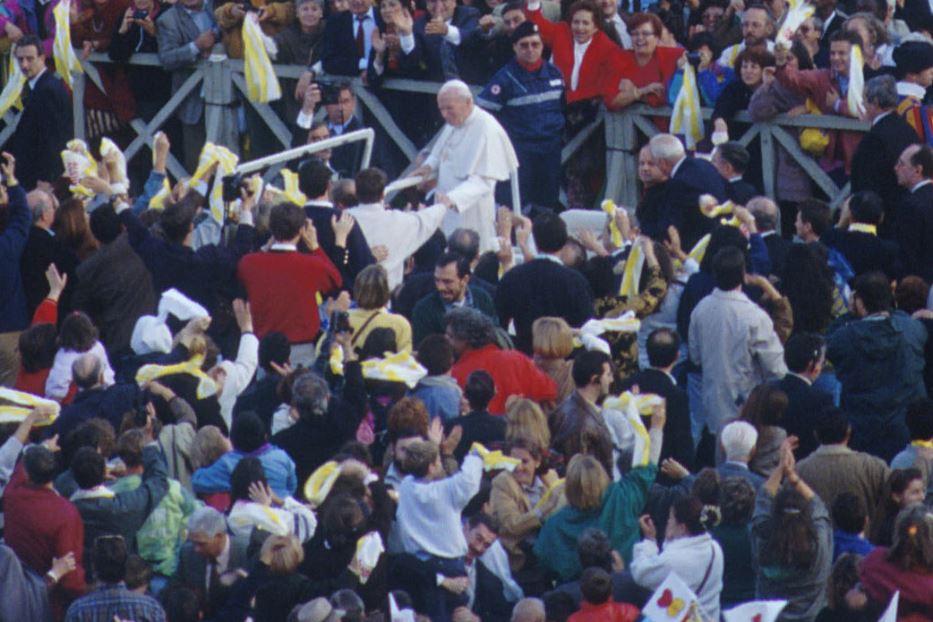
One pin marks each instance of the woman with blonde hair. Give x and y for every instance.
(593, 500)
(552, 343)
(371, 293)
(525, 419)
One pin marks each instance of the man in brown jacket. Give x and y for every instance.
(834, 468)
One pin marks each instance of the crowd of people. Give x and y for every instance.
(325, 403)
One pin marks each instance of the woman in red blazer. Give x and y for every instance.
(601, 57)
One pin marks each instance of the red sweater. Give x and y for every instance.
(34, 382)
(512, 372)
(41, 525)
(607, 612)
(601, 65)
(282, 286)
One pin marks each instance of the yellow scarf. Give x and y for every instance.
(863, 228)
(192, 367)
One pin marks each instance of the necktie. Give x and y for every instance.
(449, 61)
(26, 92)
(360, 36)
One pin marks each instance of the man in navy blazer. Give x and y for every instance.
(444, 41)
(346, 51)
(690, 178)
(805, 354)
(46, 122)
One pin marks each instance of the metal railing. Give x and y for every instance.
(221, 78)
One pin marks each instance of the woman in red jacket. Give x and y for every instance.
(648, 67)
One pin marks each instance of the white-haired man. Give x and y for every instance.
(689, 178)
(471, 154)
(738, 440)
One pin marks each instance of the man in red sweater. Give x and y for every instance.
(41, 526)
(282, 284)
(473, 339)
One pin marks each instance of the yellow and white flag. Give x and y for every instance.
(631, 273)
(13, 88)
(631, 406)
(226, 163)
(495, 460)
(686, 119)
(119, 182)
(798, 11)
(399, 367)
(711, 207)
(78, 163)
(262, 85)
(66, 60)
(609, 206)
(206, 385)
(855, 98)
(16, 406)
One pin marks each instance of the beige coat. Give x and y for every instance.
(515, 515)
(832, 469)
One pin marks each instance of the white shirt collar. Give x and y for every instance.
(909, 89)
(283, 246)
(920, 184)
(827, 22)
(223, 560)
(319, 204)
(669, 375)
(581, 47)
(553, 258)
(32, 83)
(677, 167)
(878, 119)
(371, 206)
(804, 378)
(732, 180)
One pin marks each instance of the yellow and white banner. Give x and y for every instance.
(16, 406)
(686, 119)
(206, 385)
(855, 98)
(13, 89)
(798, 11)
(262, 85)
(399, 367)
(66, 60)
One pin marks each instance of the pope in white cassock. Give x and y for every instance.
(471, 154)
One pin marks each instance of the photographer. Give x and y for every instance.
(340, 105)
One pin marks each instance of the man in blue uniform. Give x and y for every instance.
(527, 95)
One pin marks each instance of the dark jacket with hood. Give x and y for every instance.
(879, 361)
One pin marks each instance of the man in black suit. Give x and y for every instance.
(43, 248)
(351, 252)
(663, 351)
(478, 425)
(340, 106)
(348, 37)
(46, 122)
(874, 159)
(914, 171)
(856, 237)
(832, 21)
(209, 554)
(690, 178)
(543, 286)
(805, 354)
(447, 40)
(731, 160)
(766, 214)
(485, 590)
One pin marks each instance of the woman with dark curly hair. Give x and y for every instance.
(77, 336)
(473, 338)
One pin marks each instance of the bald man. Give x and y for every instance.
(529, 610)
(767, 221)
(471, 154)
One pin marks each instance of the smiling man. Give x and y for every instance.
(453, 289)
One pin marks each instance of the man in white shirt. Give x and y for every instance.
(757, 28)
(402, 233)
(471, 154)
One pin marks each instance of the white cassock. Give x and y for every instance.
(401, 232)
(469, 159)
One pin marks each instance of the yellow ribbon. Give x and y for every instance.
(922, 444)
(16, 406)
(206, 385)
(495, 460)
(66, 61)
(157, 202)
(699, 249)
(262, 86)
(863, 228)
(609, 206)
(631, 274)
(555, 489)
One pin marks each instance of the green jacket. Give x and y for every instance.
(427, 317)
(161, 536)
(623, 502)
